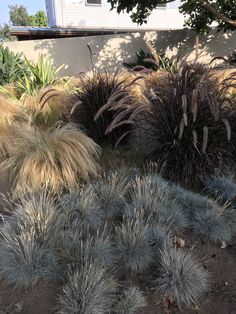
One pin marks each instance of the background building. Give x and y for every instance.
(96, 14)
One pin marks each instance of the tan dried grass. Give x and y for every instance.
(59, 157)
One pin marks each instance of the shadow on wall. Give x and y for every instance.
(184, 44)
(110, 51)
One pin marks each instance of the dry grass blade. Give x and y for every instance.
(60, 157)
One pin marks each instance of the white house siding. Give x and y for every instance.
(76, 13)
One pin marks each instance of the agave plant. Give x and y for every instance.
(12, 66)
(184, 125)
(103, 99)
(59, 157)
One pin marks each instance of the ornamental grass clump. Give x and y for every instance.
(59, 157)
(152, 194)
(129, 301)
(81, 207)
(222, 187)
(27, 242)
(181, 279)
(103, 97)
(132, 242)
(184, 125)
(89, 290)
(111, 192)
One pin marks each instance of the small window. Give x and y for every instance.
(94, 2)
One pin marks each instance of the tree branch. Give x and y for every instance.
(217, 14)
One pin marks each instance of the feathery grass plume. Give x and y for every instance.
(11, 111)
(183, 125)
(49, 106)
(59, 157)
(129, 301)
(211, 223)
(74, 247)
(26, 242)
(89, 290)
(182, 278)
(111, 192)
(132, 242)
(221, 186)
(103, 98)
(80, 207)
(151, 193)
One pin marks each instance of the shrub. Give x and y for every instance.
(133, 245)
(181, 279)
(102, 98)
(12, 66)
(26, 242)
(89, 291)
(59, 156)
(129, 301)
(184, 126)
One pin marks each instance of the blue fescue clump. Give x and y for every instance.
(80, 207)
(74, 248)
(132, 241)
(153, 194)
(222, 187)
(182, 279)
(111, 192)
(129, 301)
(89, 290)
(27, 242)
(211, 223)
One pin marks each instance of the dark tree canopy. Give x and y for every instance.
(199, 13)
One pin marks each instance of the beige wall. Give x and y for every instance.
(110, 51)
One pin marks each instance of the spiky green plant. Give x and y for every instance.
(182, 278)
(61, 157)
(132, 242)
(89, 290)
(129, 301)
(184, 125)
(41, 75)
(26, 242)
(104, 97)
(12, 66)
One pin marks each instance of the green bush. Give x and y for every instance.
(12, 66)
